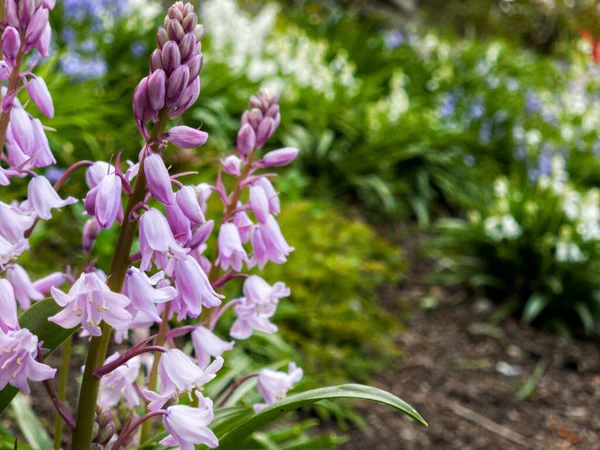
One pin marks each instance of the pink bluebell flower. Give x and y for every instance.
(274, 386)
(8, 307)
(180, 225)
(139, 288)
(269, 244)
(45, 284)
(120, 383)
(22, 285)
(96, 173)
(107, 200)
(186, 137)
(231, 251)
(207, 345)
(188, 426)
(18, 360)
(187, 199)
(278, 158)
(39, 93)
(232, 165)
(89, 302)
(42, 198)
(178, 375)
(156, 240)
(259, 203)
(159, 181)
(195, 290)
(8, 250)
(14, 222)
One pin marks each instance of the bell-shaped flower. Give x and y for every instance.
(188, 426)
(42, 198)
(259, 203)
(22, 285)
(203, 191)
(14, 222)
(178, 374)
(264, 296)
(8, 250)
(231, 251)
(108, 203)
(120, 383)
(251, 318)
(18, 360)
(274, 385)
(8, 307)
(231, 165)
(243, 224)
(265, 183)
(143, 295)
(45, 284)
(188, 201)
(20, 130)
(89, 302)
(158, 179)
(39, 93)
(180, 225)
(42, 155)
(96, 172)
(156, 240)
(269, 244)
(207, 344)
(194, 288)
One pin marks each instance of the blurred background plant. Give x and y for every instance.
(436, 114)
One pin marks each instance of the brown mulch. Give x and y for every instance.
(456, 371)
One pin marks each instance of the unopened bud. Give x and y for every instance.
(278, 158)
(171, 59)
(187, 137)
(91, 229)
(156, 89)
(11, 42)
(246, 140)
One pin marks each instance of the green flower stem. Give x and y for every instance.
(62, 391)
(86, 409)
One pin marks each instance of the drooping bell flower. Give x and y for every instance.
(91, 230)
(14, 222)
(180, 225)
(274, 206)
(187, 199)
(261, 294)
(108, 203)
(120, 383)
(39, 93)
(195, 290)
(259, 203)
(8, 307)
(188, 426)
(274, 385)
(89, 302)
(96, 173)
(269, 244)
(178, 374)
(139, 288)
(45, 284)
(202, 234)
(18, 360)
(156, 240)
(20, 130)
(22, 285)
(8, 250)
(207, 344)
(231, 251)
(42, 198)
(158, 179)
(243, 223)
(250, 319)
(42, 155)
(232, 165)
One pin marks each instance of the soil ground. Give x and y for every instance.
(462, 374)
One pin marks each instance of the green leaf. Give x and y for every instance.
(35, 319)
(29, 424)
(248, 423)
(534, 306)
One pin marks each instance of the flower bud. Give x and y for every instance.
(156, 60)
(189, 23)
(265, 131)
(189, 97)
(141, 105)
(187, 46)
(175, 30)
(43, 43)
(159, 181)
(162, 37)
(45, 285)
(4, 70)
(177, 83)
(91, 229)
(178, 223)
(246, 140)
(38, 91)
(25, 9)
(195, 65)
(202, 234)
(171, 58)
(11, 42)
(36, 28)
(10, 10)
(232, 165)
(186, 137)
(198, 32)
(188, 202)
(108, 200)
(156, 89)
(278, 158)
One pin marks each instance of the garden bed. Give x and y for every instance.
(462, 374)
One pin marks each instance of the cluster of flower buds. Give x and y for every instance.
(174, 80)
(28, 27)
(175, 281)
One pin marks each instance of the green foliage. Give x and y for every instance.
(534, 247)
(333, 316)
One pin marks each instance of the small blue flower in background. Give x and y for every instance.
(544, 164)
(138, 48)
(448, 106)
(520, 152)
(476, 110)
(485, 132)
(54, 173)
(596, 148)
(533, 103)
(76, 66)
(469, 160)
(394, 39)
